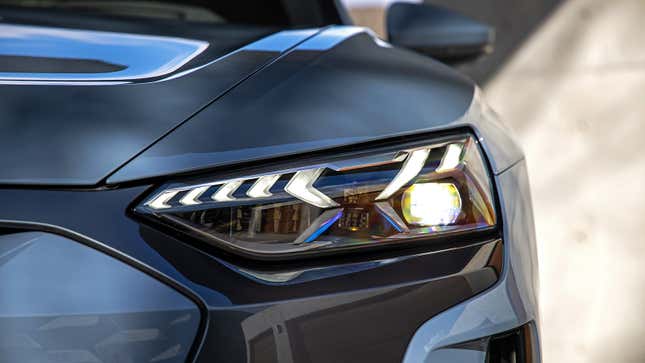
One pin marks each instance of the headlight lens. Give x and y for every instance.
(390, 195)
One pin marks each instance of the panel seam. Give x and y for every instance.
(104, 180)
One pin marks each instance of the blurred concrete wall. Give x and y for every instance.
(575, 94)
(573, 89)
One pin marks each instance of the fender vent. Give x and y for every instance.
(516, 346)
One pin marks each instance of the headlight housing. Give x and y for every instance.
(390, 195)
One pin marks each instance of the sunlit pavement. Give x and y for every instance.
(575, 95)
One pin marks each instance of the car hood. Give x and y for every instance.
(100, 108)
(340, 87)
(76, 104)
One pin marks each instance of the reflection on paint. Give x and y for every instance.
(133, 56)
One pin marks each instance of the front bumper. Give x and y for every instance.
(508, 305)
(405, 305)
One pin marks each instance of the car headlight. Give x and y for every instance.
(391, 195)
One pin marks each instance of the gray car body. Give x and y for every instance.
(285, 95)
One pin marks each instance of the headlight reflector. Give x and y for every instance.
(390, 195)
(431, 204)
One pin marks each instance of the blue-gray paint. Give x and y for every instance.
(143, 56)
(63, 301)
(311, 100)
(281, 41)
(512, 302)
(62, 133)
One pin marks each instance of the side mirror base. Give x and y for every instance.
(438, 32)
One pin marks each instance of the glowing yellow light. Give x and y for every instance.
(431, 204)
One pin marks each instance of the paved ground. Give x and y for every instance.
(575, 95)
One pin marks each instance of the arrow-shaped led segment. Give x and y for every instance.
(225, 192)
(160, 201)
(191, 197)
(411, 168)
(343, 202)
(451, 159)
(301, 187)
(261, 187)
